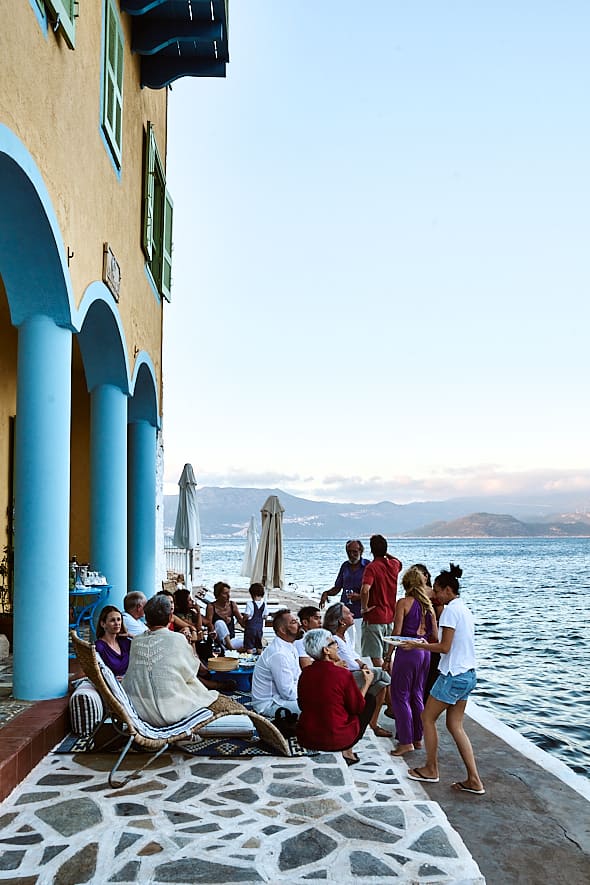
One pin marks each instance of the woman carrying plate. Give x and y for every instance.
(456, 681)
(414, 617)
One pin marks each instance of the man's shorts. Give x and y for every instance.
(450, 689)
(372, 645)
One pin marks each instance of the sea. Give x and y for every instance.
(530, 602)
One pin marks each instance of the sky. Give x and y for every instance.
(381, 252)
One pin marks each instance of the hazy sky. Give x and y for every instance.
(381, 251)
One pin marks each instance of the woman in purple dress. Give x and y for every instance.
(112, 642)
(414, 617)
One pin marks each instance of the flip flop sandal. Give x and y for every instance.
(461, 788)
(414, 775)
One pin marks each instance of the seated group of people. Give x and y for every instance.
(318, 676)
(153, 650)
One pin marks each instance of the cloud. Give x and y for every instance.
(453, 482)
(478, 480)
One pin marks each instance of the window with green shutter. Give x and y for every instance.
(112, 103)
(157, 216)
(64, 13)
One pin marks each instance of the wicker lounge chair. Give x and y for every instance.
(145, 736)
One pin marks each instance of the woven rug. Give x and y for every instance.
(237, 747)
(214, 747)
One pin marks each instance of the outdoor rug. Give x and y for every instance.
(214, 747)
(237, 747)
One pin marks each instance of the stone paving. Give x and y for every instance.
(299, 820)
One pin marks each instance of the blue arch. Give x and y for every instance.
(143, 406)
(102, 340)
(32, 255)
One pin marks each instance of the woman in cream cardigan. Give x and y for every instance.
(161, 680)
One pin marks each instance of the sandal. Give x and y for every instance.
(352, 761)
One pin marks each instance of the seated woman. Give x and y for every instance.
(112, 642)
(161, 680)
(222, 615)
(338, 619)
(187, 609)
(334, 711)
(191, 633)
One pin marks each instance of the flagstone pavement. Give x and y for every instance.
(299, 820)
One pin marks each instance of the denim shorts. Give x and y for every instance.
(450, 689)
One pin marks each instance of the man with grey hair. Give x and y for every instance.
(276, 672)
(134, 604)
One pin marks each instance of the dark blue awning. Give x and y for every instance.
(178, 38)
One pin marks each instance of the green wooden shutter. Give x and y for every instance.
(65, 11)
(149, 169)
(167, 247)
(113, 82)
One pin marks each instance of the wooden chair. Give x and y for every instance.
(145, 736)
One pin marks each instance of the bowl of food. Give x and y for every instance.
(223, 664)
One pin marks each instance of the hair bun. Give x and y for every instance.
(455, 570)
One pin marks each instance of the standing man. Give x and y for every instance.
(276, 672)
(133, 621)
(349, 580)
(378, 598)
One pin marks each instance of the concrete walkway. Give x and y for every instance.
(533, 825)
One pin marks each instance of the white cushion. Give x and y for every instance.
(227, 725)
(86, 708)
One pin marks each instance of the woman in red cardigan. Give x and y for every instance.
(334, 711)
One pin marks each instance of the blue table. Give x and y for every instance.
(84, 602)
(242, 676)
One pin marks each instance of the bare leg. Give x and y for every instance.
(379, 701)
(430, 714)
(455, 716)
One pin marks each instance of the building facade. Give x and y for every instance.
(85, 270)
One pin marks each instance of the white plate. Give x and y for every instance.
(397, 640)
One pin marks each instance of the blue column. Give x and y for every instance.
(42, 510)
(108, 487)
(141, 519)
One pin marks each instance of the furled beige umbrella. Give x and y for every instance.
(268, 566)
(187, 531)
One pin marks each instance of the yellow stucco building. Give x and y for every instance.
(85, 271)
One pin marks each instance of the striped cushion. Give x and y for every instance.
(142, 727)
(86, 708)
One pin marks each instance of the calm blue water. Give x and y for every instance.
(530, 601)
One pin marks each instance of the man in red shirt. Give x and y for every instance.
(378, 598)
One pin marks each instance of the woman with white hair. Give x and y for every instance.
(334, 710)
(161, 679)
(338, 619)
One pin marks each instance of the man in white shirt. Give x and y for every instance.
(276, 673)
(133, 622)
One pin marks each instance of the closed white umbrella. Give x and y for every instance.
(250, 551)
(187, 530)
(268, 566)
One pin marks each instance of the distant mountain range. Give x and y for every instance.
(225, 513)
(493, 525)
